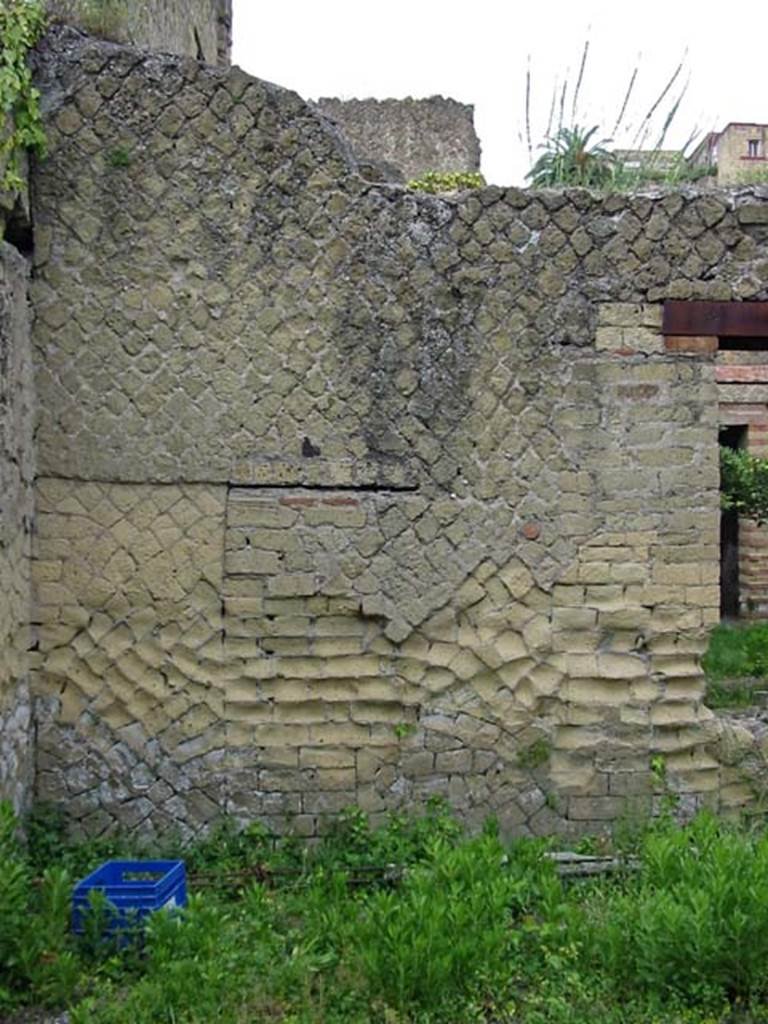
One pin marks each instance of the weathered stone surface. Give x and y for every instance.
(191, 28)
(16, 508)
(408, 136)
(350, 494)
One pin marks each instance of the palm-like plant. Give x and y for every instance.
(571, 158)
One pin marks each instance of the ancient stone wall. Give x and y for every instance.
(190, 28)
(16, 496)
(413, 136)
(351, 494)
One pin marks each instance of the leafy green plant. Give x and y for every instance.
(696, 923)
(119, 157)
(36, 949)
(405, 729)
(228, 849)
(21, 24)
(447, 181)
(403, 841)
(451, 924)
(737, 652)
(657, 167)
(570, 157)
(535, 755)
(744, 483)
(754, 176)
(468, 929)
(719, 696)
(15, 891)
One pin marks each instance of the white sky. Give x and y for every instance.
(476, 52)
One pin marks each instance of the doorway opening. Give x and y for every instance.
(733, 437)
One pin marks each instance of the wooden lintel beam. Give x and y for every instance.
(721, 319)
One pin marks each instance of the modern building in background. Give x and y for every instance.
(738, 154)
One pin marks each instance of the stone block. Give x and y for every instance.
(251, 562)
(628, 341)
(596, 692)
(674, 713)
(345, 517)
(753, 213)
(629, 314)
(574, 618)
(451, 762)
(595, 808)
(296, 585)
(327, 803)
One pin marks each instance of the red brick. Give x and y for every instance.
(696, 345)
(741, 374)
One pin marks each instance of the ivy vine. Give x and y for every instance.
(744, 484)
(21, 25)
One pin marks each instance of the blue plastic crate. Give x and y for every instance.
(134, 889)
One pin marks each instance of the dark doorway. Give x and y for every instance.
(730, 437)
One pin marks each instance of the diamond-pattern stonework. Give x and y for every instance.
(352, 494)
(16, 500)
(128, 582)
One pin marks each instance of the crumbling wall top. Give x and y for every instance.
(414, 136)
(189, 28)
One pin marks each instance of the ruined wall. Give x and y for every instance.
(16, 494)
(414, 136)
(190, 28)
(350, 494)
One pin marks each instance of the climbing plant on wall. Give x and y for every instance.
(21, 23)
(744, 484)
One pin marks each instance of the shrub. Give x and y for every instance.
(36, 950)
(469, 931)
(449, 928)
(737, 652)
(570, 158)
(744, 483)
(696, 923)
(447, 181)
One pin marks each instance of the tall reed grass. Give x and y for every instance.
(573, 139)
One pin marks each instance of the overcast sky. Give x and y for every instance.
(477, 51)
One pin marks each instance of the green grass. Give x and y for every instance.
(413, 923)
(737, 652)
(736, 696)
(736, 665)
